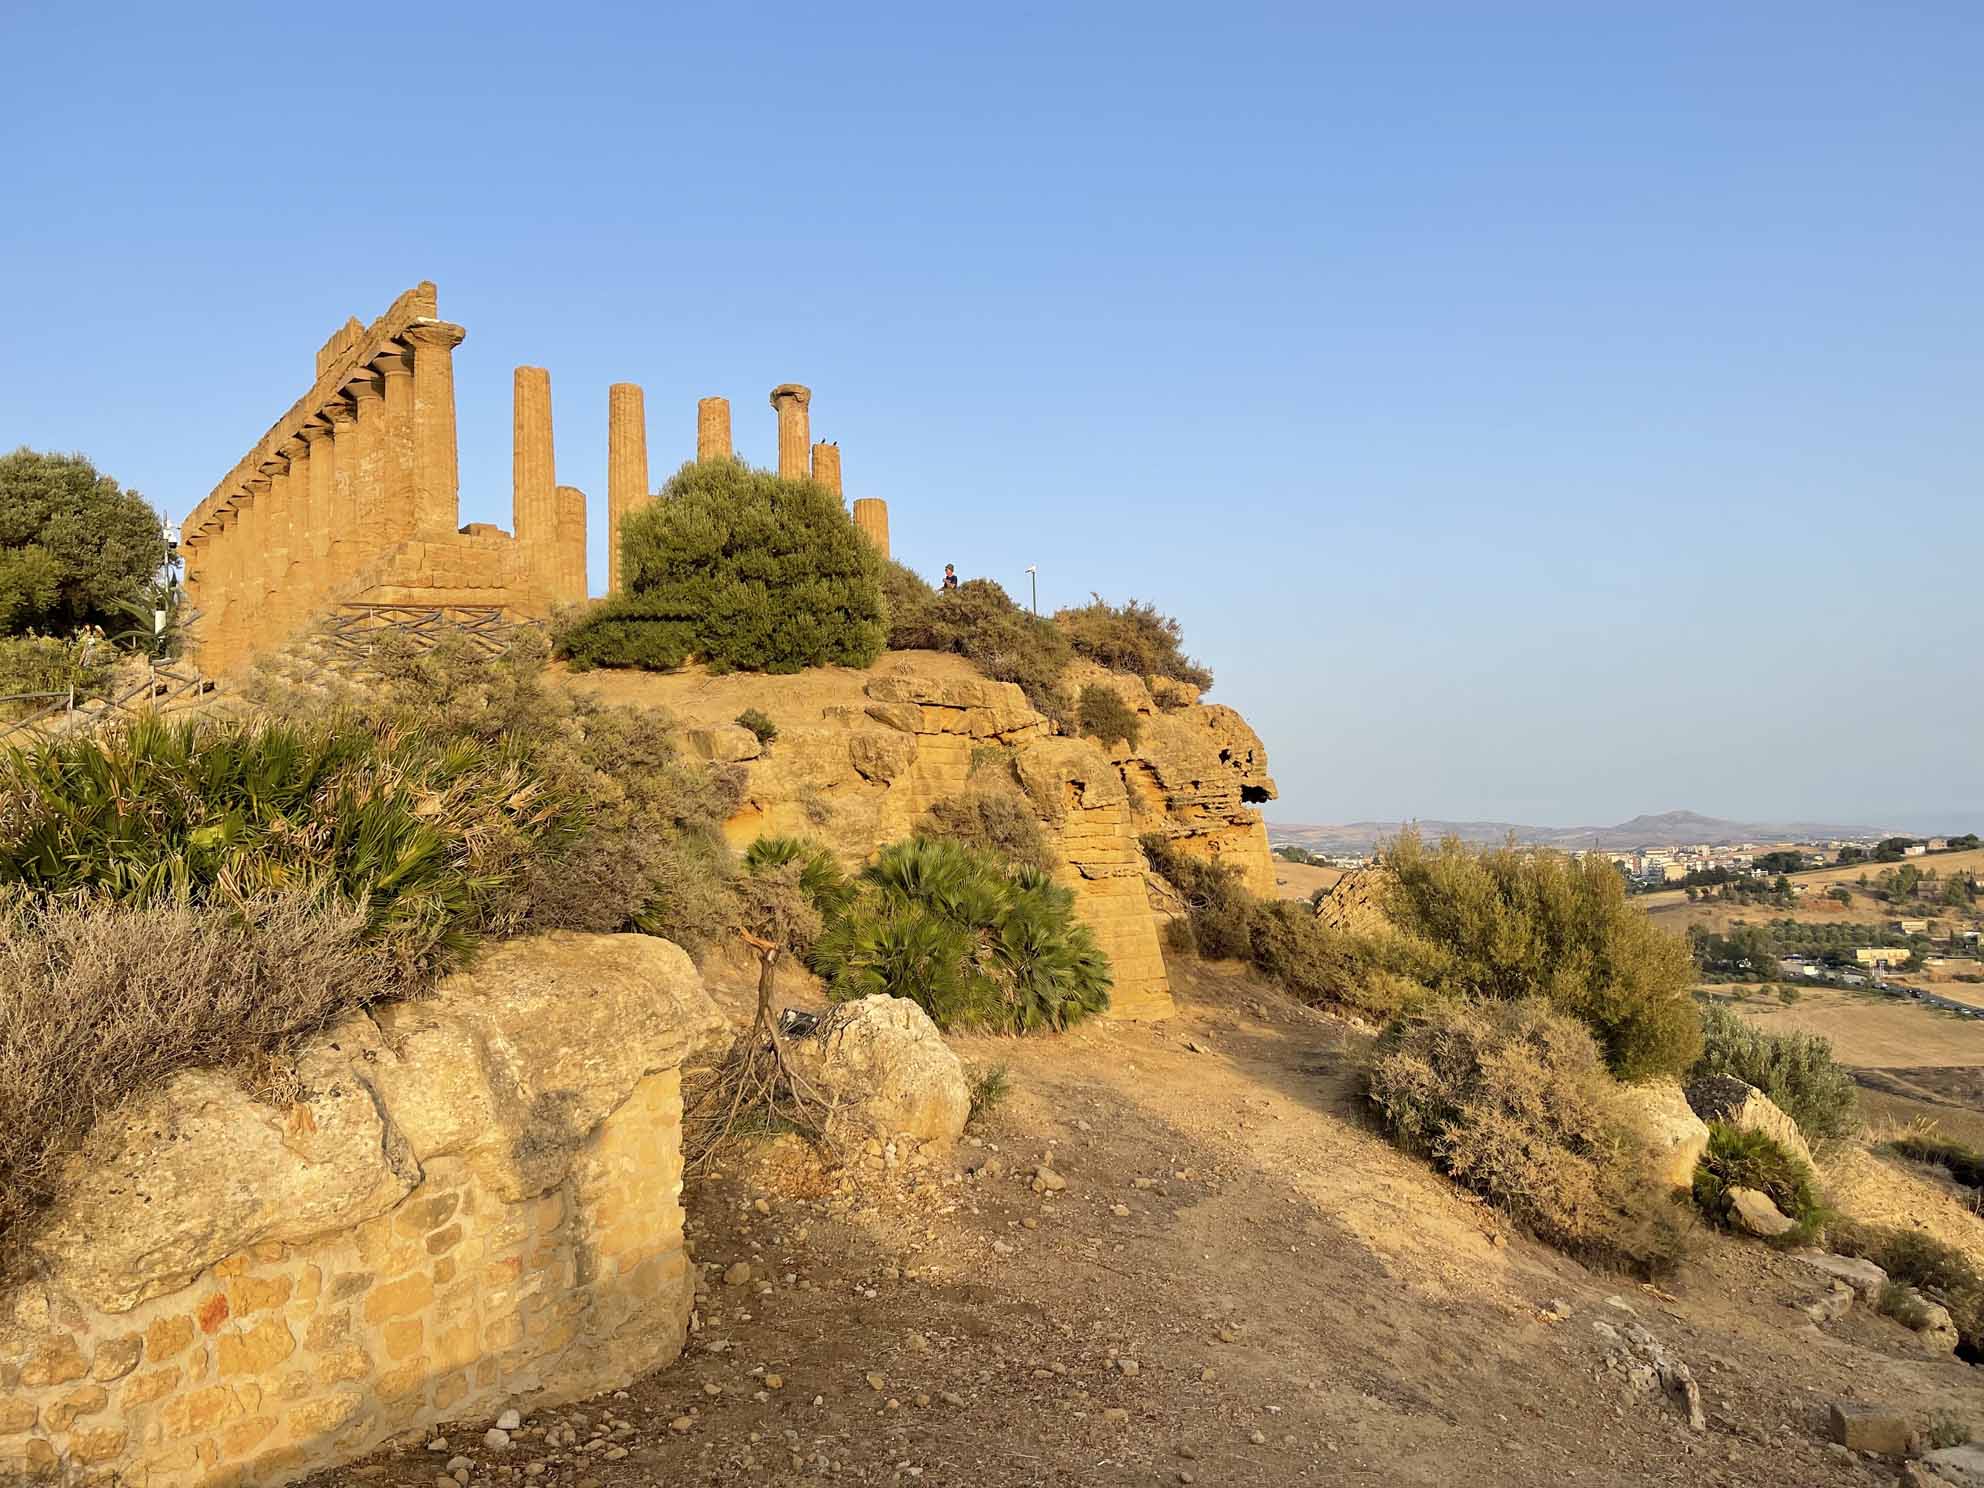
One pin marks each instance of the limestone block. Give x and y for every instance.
(1064, 774)
(1871, 1428)
(881, 756)
(1752, 1211)
(190, 1173)
(1737, 1102)
(1867, 1279)
(946, 692)
(1355, 904)
(890, 1068)
(713, 429)
(1679, 1136)
(727, 742)
(513, 1063)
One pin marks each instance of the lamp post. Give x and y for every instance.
(1033, 578)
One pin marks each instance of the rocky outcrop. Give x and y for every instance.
(868, 772)
(1678, 1135)
(888, 1071)
(474, 1200)
(1738, 1103)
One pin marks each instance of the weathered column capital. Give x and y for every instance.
(393, 364)
(434, 335)
(313, 434)
(278, 466)
(340, 413)
(365, 387)
(290, 449)
(258, 485)
(803, 396)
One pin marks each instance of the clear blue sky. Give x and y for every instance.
(1541, 412)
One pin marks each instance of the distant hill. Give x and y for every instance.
(1666, 829)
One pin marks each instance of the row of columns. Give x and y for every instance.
(547, 519)
(373, 466)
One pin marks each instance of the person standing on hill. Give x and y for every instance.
(950, 576)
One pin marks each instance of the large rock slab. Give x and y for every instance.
(516, 1060)
(1866, 1279)
(888, 1069)
(1739, 1103)
(1960, 1467)
(1678, 1135)
(1751, 1210)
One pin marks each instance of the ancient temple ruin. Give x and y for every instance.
(351, 500)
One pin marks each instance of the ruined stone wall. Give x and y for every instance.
(477, 1205)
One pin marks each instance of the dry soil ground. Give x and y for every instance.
(1301, 1303)
(1299, 881)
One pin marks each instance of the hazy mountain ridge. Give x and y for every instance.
(1664, 829)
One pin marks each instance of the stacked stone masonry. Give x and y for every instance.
(353, 495)
(477, 1207)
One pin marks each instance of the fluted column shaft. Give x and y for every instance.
(342, 561)
(826, 466)
(567, 571)
(533, 465)
(368, 474)
(626, 467)
(396, 510)
(794, 428)
(872, 517)
(437, 478)
(713, 429)
(316, 543)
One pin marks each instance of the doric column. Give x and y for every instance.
(368, 469)
(220, 588)
(254, 586)
(568, 571)
(533, 467)
(713, 429)
(396, 511)
(794, 435)
(626, 468)
(437, 475)
(872, 517)
(317, 507)
(342, 561)
(826, 466)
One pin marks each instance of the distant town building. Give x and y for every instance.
(1882, 958)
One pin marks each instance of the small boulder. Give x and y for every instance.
(1680, 1137)
(1739, 1103)
(1864, 1277)
(1960, 1467)
(1751, 1210)
(1870, 1428)
(1931, 1322)
(889, 1069)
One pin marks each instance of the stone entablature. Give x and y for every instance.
(477, 1205)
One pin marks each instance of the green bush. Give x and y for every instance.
(1512, 923)
(1796, 1070)
(773, 573)
(1132, 638)
(640, 632)
(1738, 1157)
(1936, 1268)
(74, 545)
(1512, 1100)
(820, 875)
(974, 944)
(759, 724)
(420, 835)
(51, 664)
(990, 1085)
(1281, 939)
(998, 822)
(1101, 713)
(979, 622)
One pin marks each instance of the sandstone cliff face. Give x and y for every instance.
(476, 1201)
(862, 756)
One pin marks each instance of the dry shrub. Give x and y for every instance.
(1513, 1101)
(103, 1002)
(1134, 637)
(1101, 713)
(1795, 1069)
(996, 821)
(1512, 923)
(1915, 1258)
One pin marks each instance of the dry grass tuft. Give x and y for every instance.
(104, 1002)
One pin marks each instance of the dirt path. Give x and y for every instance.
(1301, 1305)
